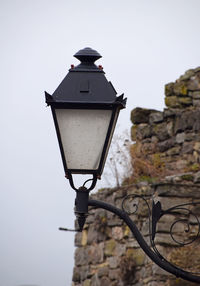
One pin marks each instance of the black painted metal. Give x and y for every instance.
(153, 255)
(81, 206)
(156, 215)
(87, 57)
(86, 87)
(178, 208)
(113, 120)
(92, 186)
(81, 202)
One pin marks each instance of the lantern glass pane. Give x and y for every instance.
(83, 134)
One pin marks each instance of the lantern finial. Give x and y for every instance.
(87, 55)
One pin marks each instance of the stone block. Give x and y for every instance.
(84, 272)
(173, 151)
(196, 126)
(156, 117)
(113, 261)
(132, 243)
(189, 120)
(105, 281)
(181, 164)
(76, 274)
(138, 284)
(196, 165)
(114, 274)
(145, 228)
(197, 177)
(140, 115)
(110, 247)
(120, 249)
(185, 101)
(165, 145)
(117, 232)
(187, 148)
(169, 201)
(95, 253)
(164, 239)
(190, 136)
(96, 234)
(160, 130)
(78, 238)
(95, 281)
(197, 146)
(117, 283)
(195, 94)
(196, 102)
(92, 235)
(187, 177)
(170, 128)
(137, 255)
(180, 137)
(181, 124)
(169, 113)
(180, 88)
(169, 87)
(173, 192)
(84, 237)
(114, 222)
(194, 83)
(172, 102)
(126, 231)
(87, 282)
(143, 131)
(81, 257)
(103, 271)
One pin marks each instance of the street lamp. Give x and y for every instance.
(85, 109)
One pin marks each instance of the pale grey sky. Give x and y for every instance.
(144, 44)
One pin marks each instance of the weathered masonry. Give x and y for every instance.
(165, 156)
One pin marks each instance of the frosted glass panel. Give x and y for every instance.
(83, 133)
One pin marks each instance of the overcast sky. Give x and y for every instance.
(144, 44)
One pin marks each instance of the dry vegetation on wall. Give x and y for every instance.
(128, 163)
(118, 166)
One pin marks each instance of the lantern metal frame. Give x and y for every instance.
(94, 92)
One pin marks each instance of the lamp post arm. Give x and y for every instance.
(160, 261)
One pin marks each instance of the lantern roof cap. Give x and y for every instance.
(87, 57)
(86, 85)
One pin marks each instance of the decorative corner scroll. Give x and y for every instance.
(183, 226)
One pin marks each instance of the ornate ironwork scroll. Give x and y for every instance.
(183, 227)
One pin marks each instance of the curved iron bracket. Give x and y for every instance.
(93, 184)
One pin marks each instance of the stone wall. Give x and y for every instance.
(168, 142)
(166, 167)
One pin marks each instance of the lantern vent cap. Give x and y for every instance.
(87, 57)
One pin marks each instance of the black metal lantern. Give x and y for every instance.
(85, 109)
